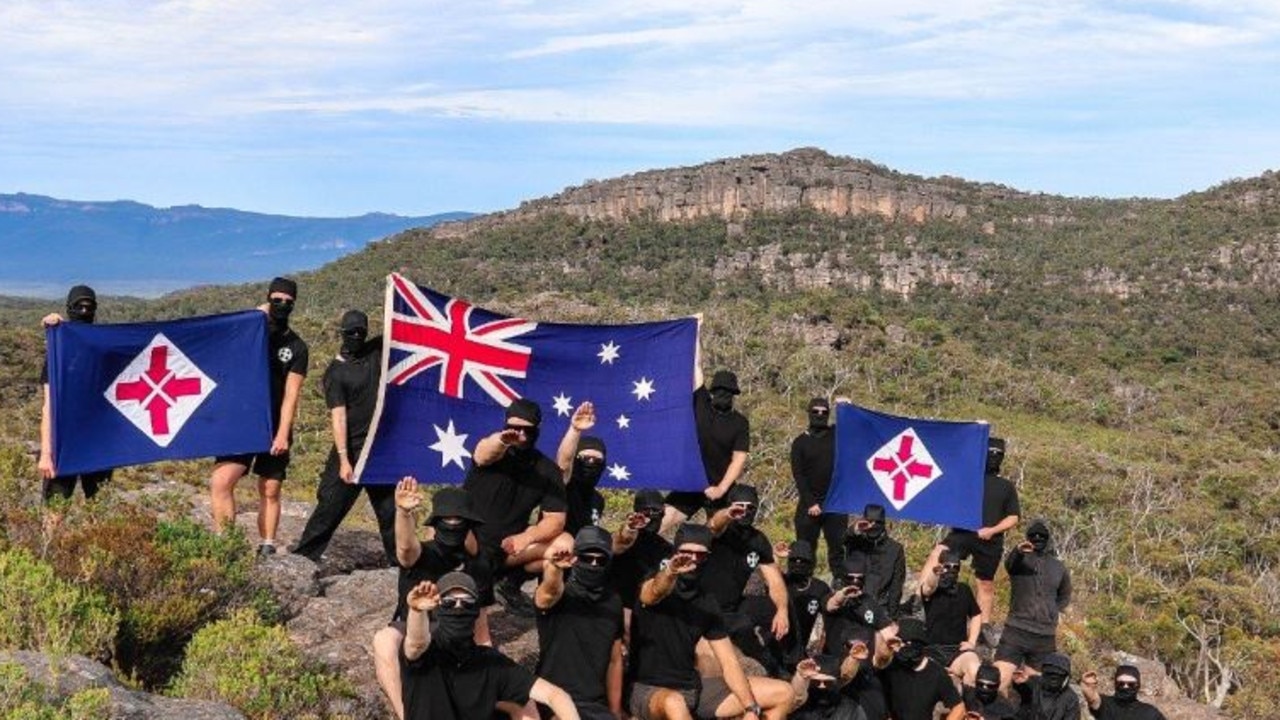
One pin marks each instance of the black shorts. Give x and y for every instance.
(701, 704)
(265, 465)
(586, 711)
(66, 485)
(985, 553)
(945, 654)
(1022, 647)
(686, 502)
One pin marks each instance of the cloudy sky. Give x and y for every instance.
(336, 108)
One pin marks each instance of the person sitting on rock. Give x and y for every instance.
(447, 675)
(816, 686)
(580, 624)
(452, 520)
(581, 459)
(886, 558)
(913, 682)
(1047, 696)
(638, 550)
(952, 617)
(1124, 704)
(852, 616)
(983, 698)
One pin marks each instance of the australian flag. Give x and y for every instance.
(450, 369)
(134, 393)
(930, 471)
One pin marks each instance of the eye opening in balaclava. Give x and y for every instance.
(819, 414)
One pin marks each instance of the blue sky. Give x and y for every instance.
(337, 108)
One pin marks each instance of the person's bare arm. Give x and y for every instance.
(1007, 523)
(778, 594)
(734, 677)
(972, 632)
(555, 698)
(613, 680)
(737, 465)
(929, 573)
(557, 559)
(423, 599)
(956, 712)
(47, 469)
(408, 499)
(584, 418)
(548, 528)
(338, 424)
(657, 588)
(492, 447)
(288, 411)
(1089, 689)
(852, 661)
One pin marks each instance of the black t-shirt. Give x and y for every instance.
(1109, 709)
(575, 643)
(719, 435)
(946, 615)
(859, 619)
(629, 569)
(287, 353)
(999, 501)
(353, 383)
(735, 554)
(806, 604)
(432, 564)
(913, 693)
(585, 506)
(813, 459)
(435, 688)
(663, 637)
(505, 493)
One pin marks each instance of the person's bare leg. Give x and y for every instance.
(668, 705)
(386, 666)
(986, 598)
(222, 493)
(268, 509)
(671, 517)
(482, 636)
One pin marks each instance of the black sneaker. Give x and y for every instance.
(988, 636)
(513, 598)
(264, 550)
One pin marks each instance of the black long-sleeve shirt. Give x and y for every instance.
(813, 458)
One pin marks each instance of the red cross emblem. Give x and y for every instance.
(903, 467)
(447, 339)
(159, 390)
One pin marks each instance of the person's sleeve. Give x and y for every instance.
(301, 359)
(701, 397)
(715, 627)
(553, 496)
(1015, 562)
(1070, 709)
(335, 391)
(764, 549)
(972, 608)
(1104, 707)
(947, 691)
(742, 443)
(1064, 589)
(800, 474)
(897, 580)
(514, 682)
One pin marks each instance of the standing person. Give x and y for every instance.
(509, 478)
(580, 624)
(447, 676)
(582, 459)
(1124, 704)
(1046, 696)
(351, 393)
(886, 558)
(724, 437)
(1000, 513)
(813, 459)
(951, 615)
(913, 682)
(288, 359)
(673, 615)
(82, 307)
(452, 519)
(1040, 589)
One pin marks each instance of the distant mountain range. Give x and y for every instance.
(128, 248)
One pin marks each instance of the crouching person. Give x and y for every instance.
(446, 675)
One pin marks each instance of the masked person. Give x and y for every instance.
(739, 549)
(447, 676)
(451, 520)
(1040, 589)
(1000, 512)
(351, 392)
(580, 624)
(913, 682)
(952, 618)
(673, 614)
(806, 596)
(1047, 696)
(983, 696)
(508, 479)
(288, 359)
(581, 459)
(1124, 704)
(886, 558)
(852, 617)
(813, 457)
(816, 686)
(724, 437)
(638, 550)
(82, 307)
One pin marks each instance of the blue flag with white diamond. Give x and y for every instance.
(450, 369)
(930, 471)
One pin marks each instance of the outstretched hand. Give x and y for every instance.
(584, 418)
(807, 668)
(681, 563)
(782, 549)
(858, 650)
(408, 494)
(424, 597)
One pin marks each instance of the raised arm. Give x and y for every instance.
(558, 558)
(423, 599)
(584, 418)
(408, 500)
(929, 573)
(554, 697)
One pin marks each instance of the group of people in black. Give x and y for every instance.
(657, 620)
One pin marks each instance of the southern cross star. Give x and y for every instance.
(608, 353)
(642, 388)
(450, 445)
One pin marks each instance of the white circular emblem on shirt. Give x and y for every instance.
(284, 354)
(869, 617)
(753, 559)
(813, 607)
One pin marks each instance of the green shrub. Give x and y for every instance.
(256, 668)
(40, 612)
(22, 699)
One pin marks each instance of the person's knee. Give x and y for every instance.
(270, 489)
(386, 643)
(670, 705)
(771, 693)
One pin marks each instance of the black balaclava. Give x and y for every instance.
(649, 502)
(687, 583)
(82, 304)
(800, 562)
(1038, 535)
(987, 684)
(455, 628)
(855, 563)
(1129, 694)
(724, 385)
(948, 579)
(451, 536)
(829, 696)
(875, 515)
(279, 314)
(589, 475)
(740, 493)
(354, 331)
(819, 422)
(590, 581)
(1055, 671)
(528, 410)
(995, 455)
(912, 633)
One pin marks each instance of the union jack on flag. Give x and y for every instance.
(450, 368)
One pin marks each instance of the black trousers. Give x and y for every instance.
(334, 499)
(833, 527)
